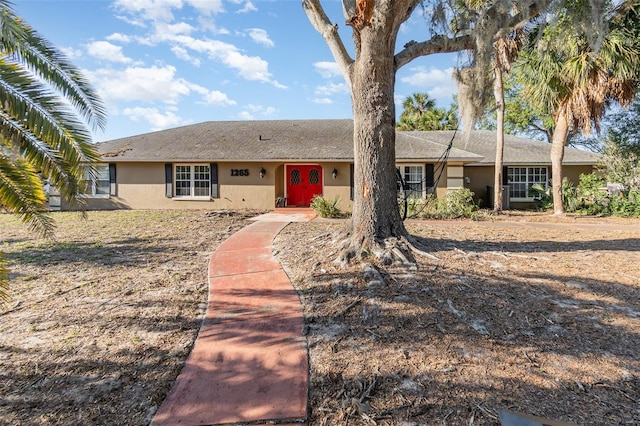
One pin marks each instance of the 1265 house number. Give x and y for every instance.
(239, 172)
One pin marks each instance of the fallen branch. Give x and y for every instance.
(350, 306)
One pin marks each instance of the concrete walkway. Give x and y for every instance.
(249, 362)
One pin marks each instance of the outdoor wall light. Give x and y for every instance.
(262, 173)
(334, 173)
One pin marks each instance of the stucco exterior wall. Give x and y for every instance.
(338, 188)
(482, 176)
(142, 186)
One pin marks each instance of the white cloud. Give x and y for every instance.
(217, 98)
(119, 38)
(322, 101)
(439, 84)
(141, 84)
(72, 53)
(207, 7)
(107, 52)
(248, 7)
(153, 10)
(328, 69)
(252, 110)
(157, 119)
(249, 67)
(260, 36)
(182, 53)
(332, 89)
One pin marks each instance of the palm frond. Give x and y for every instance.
(36, 54)
(22, 193)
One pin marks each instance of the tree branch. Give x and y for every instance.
(438, 44)
(329, 32)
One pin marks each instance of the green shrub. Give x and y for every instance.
(543, 197)
(626, 204)
(325, 207)
(454, 205)
(591, 198)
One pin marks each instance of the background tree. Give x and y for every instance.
(45, 107)
(420, 113)
(505, 51)
(520, 118)
(574, 76)
(371, 77)
(623, 129)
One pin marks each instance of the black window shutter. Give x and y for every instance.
(168, 180)
(351, 180)
(213, 173)
(112, 179)
(429, 178)
(505, 175)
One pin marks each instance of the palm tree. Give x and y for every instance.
(421, 113)
(566, 76)
(46, 106)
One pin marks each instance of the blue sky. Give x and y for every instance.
(159, 64)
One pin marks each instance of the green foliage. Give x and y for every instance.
(325, 207)
(420, 113)
(542, 197)
(455, 204)
(591, 197)
(47, 107)
(621, 165)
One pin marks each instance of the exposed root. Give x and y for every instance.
(398, 251)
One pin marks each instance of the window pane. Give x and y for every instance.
(521, 179)
(102, 185)
(314, 176)
(294, 179)
(413, 180)
(201, 181)
(183, 181)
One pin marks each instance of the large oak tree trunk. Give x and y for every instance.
(375, 211)
(557, 155)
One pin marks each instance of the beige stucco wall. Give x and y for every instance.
(482, 176)
(338, 188)
(141, 186)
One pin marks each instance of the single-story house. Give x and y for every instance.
(264, 164)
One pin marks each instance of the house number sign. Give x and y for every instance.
(239, 172)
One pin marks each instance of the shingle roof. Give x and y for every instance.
(517, 151)
(309, 140)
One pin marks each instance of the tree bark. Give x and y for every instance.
(375, 211)
(498, 93)
(557, 155)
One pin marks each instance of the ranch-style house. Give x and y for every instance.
(263, 164)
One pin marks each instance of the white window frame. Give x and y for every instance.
(93, 183)
(532, 175)
(421, 181)
(192, 186)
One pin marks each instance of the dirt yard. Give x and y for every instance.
(524, 312)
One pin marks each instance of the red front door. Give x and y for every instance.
(303, 183)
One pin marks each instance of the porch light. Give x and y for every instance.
(263, 172)
(334, 173)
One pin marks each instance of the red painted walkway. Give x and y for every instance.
(249, 362)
